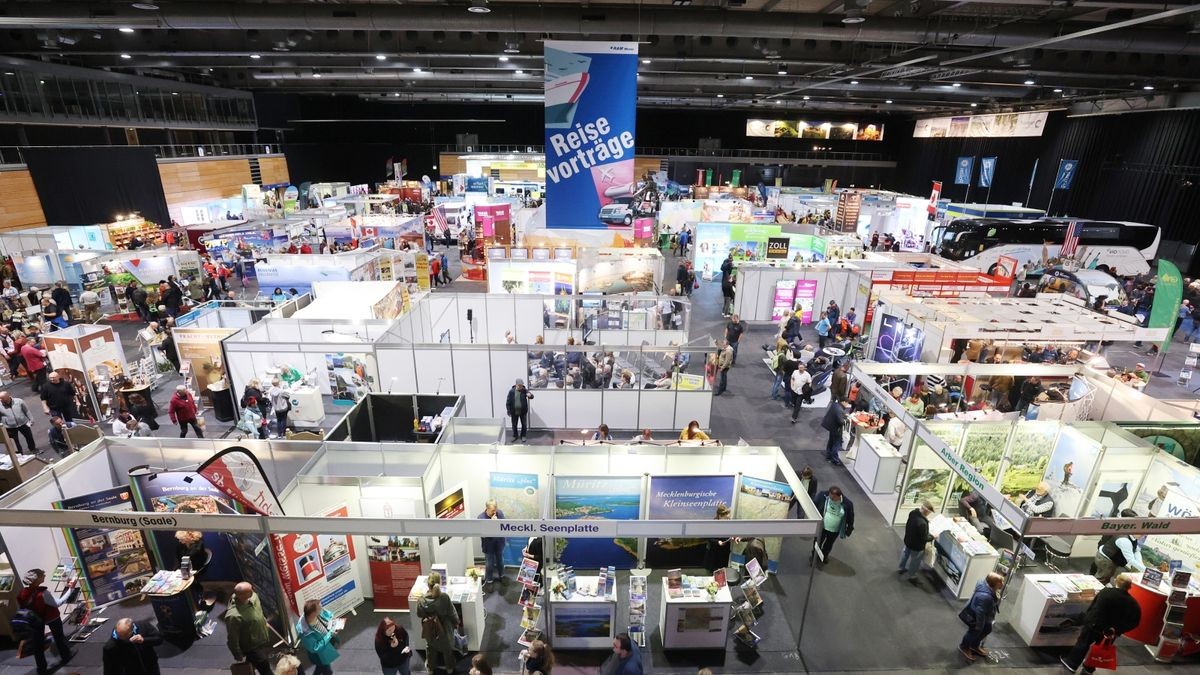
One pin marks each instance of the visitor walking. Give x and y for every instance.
(834, 422)
(59, 396)
(318, 636)
(493, 547)
(916, 538)
(130, 650)
(724, 363)
(823, 329)
(727, 294)
(40, 602)
(35, 364)
(248, 637)
(438, 622)
(1112, 613)
(16, 418)
(182, 411)
(391, 645)
(800, 386)
(979, 614)
(733, 335)
(837, 519)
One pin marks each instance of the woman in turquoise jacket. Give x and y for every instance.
(317, 638)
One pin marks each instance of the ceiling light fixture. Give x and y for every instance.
(1148, 87)
(853, 81)
(396, 94)
(503, 59)
(381, 57)
(125, 29)
(956, 85)
(512, 48)
(145, 6)
(1029, 82)
(720, 95)
(255, 57)
(749, 77)
(853, 15)
(417, 70)
(782, 69)
(889, 101)
(518, 72)
(778, 101)
(807, 97)
(126, 56)
(317, 75)
(974, 105)
(479, 7)
(1058, 91)
(646, 61)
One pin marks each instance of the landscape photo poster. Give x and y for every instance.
(450, 505)
(684, 498)
(761, 499)
(597, 498)
(1069, 471)
(517, 495)
(115, 563)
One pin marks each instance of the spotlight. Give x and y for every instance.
(782, 69)
(749, 77)
(417, 70)
(853, 15)
(720, 95)
(974, 105)
(503, 59)
(889, 101)
(145, 6)
(381, 57)
(853, 81)
(518, 72)
(1029, 82)
(125, 29)
(126, 56)
(255, 57)
(956, 85)
(1058, 91)
(1148, 87)
(512, 48)
(479, 7)
(807, 97)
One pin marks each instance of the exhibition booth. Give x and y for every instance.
(356, 300)
(53, 238)
(714, 241)
(620, 270)
(198, 335)
(299, 271)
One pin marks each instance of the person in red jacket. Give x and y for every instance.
(37, 597)
(182, 410)
(435, 269)
(35, 364)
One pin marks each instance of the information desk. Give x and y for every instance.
(583, 621)
(1050, 607)
(1153, 602)
(877, 464)
(695, 622)
(174, 606)
(466, 596)
(964, 557)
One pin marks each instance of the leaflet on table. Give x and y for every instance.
(1152, 577)
(116, 563)
(528, 636)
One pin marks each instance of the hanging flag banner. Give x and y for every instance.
(708, 178)
(590, 112)
(1066, 174)
(736, 179)
(962, 171)
(1168, 294)
(934, 196)
(987, 169)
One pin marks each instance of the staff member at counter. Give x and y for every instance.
(1118, 553)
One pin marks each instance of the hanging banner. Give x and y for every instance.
(590, 114)
(934, 196)
(168, 492)
(708, 177)
(962, 171)
(760, 499)
(1168, 295)
(516, 494)
(735, 180)
(450, 505)
(987, 170)
(592, 498)
(1066, 174)
(684, 498)
(324, 567)
(115, 563)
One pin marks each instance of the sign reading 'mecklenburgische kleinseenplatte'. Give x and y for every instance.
(590, 110)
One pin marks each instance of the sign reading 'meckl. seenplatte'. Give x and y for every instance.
(590, 110)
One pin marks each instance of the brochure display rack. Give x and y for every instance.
(690, 617)
(1050, 608)
(1170, 612)
(637, 609)
(585, 617)
(466, 595)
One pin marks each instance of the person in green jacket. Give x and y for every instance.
(318, 637)
(248, 636)
(439, 651)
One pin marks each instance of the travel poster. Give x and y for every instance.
(1069, 471)
(452, 504)
(323, 566)
(597, 498)
(805, 298)
(393, 561)
(760, 499)
(168, 492)
(684, 498)
(582, 621)
(115, 563)
(517, 495)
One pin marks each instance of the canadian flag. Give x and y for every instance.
(933, 198)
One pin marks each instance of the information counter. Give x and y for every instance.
(877, 464)
(964, 557)
(1153, 601)
(1050, 607)
(583, 621)
(698, 622)
(466, 596)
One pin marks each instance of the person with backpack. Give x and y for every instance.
(439, 619)
(281, 405)
(37, 608)
(130, 649)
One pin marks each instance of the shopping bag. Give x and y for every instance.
(967, 616)
(243, 668)
(1102, 654)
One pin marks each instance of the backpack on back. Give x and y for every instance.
(26, 624)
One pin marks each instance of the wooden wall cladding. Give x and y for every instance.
(20, 206)
(273, 170)
(203, 179)
(449, 164)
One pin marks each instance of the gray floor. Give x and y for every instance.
(855, 615)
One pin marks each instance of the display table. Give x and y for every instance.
(582, 621)
(466, 596)
(1050, 607)
(1153, 602)
(861, 424)
(174, 606)
(964, 557)
(695, 622)
(877, 464)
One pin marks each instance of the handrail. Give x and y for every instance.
(12, 154)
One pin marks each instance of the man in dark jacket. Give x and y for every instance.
(1112, 610)
(836, 512)
(130, 650)
(839, 385)
(172, 299)
(58, 397)
(916, 537)
(493, 547)
(517, 406)
(833, 422)
(62, 297)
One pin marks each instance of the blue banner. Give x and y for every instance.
(590, 111)
(987, 170)
(516, 495)
(962, 170)
(477, 184)
(1066, 174)
(685, 498)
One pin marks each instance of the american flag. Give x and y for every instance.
(439, 217)
(1070, 240)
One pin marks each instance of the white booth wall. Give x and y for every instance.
(846, 285)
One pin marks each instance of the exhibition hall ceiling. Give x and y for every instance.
(880, 56)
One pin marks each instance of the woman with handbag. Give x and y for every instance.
(979, 614)
(318, 637)
(438, 623)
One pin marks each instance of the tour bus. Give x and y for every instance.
(1125, 248)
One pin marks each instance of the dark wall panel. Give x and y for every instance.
(81, 186)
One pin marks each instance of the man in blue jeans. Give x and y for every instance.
(724, 363)
(493, 547)
(733, 334)
(833, 422)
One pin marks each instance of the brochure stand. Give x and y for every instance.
(637, 609)
(467, 597)
(691, 617)
(1171, 638)
(583, 613)
(531, 611)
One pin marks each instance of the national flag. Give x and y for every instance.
(1070, 240)
(439, 217)
(389, 167)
